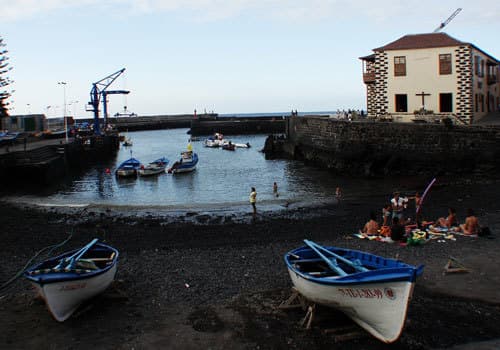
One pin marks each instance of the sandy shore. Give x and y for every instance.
(215, 280)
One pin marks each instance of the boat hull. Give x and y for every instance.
(151, 171)
(184, 165)
(185, 169)
(379, 308)
(154, 168)
(63, 298)
(126, 172)
(372, 290)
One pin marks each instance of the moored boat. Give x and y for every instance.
(242, 145)
(154, 168)
(211, 143)
(128, 168)
(229, 146)
(66, 281)
(372, 290)
(187, 163)
(128, 142)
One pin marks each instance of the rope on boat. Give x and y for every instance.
(51, 247)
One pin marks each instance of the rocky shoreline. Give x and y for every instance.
(216, 283)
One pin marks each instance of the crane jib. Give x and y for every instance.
(98, 89)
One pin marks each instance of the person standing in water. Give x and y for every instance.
(275, 190)
(253, 200)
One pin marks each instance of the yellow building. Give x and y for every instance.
(431, 76)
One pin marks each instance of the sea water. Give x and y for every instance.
(222, 179)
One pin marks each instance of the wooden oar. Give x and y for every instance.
(332, 264)
(316, 247)
(71, 260)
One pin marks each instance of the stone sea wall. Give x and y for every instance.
(237, 126)
(375, 148)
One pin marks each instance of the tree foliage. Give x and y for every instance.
(4, 80)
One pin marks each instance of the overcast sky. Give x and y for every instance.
(230, 56)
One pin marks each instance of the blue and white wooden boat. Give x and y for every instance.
(154, 168)
(372, 290)
(187, 163)
(128, 168)
(66, 281)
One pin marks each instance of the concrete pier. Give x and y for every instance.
(41, 162)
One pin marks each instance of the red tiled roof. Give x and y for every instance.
(421, 41)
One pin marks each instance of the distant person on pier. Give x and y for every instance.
(253, 201)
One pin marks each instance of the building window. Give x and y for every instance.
(445, 64)
(399, 66)
(446, 103)
(401, 103)
(479, 66)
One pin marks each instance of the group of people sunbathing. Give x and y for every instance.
(393, 224)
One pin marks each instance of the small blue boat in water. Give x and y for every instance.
(154, 168)
(187, 163)
(372, 290)
(128, 168)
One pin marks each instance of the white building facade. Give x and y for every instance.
(431, 74)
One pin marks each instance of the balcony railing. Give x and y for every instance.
(369, 77)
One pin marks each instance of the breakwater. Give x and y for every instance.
(201, 124)
(152, 122)
(238, 125)
(377, 148)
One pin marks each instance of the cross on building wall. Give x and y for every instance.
(423, 94)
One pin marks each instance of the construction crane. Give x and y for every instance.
(99, 91)
(448, 20)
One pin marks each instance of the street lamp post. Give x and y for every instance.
(71, 104)
(63, 83)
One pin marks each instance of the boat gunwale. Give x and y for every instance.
(400, 271)
(68, 276)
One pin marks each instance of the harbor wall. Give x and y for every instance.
(376, 148)
(153, 122)
(201, 124)
(47, 162)
(237, 126)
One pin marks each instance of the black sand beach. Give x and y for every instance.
(194, 283)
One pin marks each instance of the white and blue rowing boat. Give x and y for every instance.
(372, 290)
(66, 281)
